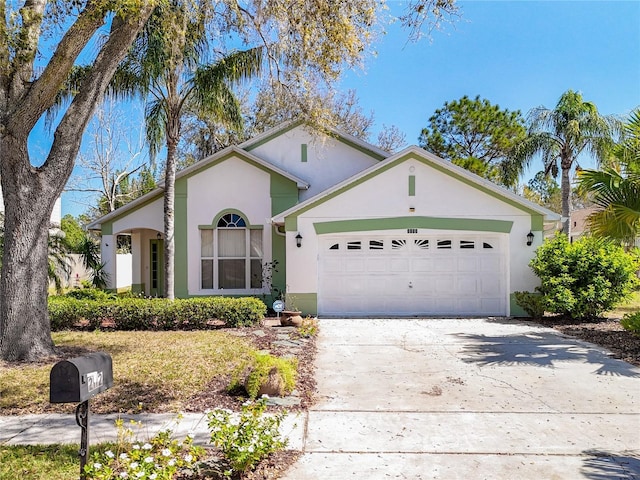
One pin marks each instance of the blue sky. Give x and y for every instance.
(517, 54)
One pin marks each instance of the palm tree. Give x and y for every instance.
(164, 66)
(561, 135)
(616, 189)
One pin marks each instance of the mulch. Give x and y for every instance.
(604, 332)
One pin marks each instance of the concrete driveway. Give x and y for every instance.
(467, 399)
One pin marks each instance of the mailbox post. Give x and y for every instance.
(77, 380)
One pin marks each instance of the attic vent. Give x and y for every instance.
(412, 230)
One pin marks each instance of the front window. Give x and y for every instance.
(231, 255)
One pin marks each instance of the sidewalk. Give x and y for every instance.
(61, 428)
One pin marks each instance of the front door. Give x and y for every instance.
(156, 271)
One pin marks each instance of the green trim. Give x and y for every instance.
(275, 134)
(138, 288)
(279, 254)
(181, 258)
(307, 303)
(396, 223)
(213, 227)
(426, 161)
(226, 211)
(284, 194)
(515, 309)
(291, 224)
(360, 148)
(303, 152)
(537, 223)
(412, 185)
(106, 228)
(159, 290)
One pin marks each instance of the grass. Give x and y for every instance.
(153, 371)
(632, 306)
(39, 462)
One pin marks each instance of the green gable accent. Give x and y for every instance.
(436, 166)
(515, 309)
(307, 303)
(291, 224)
(397, 223)
(303, 152)
(284, 194)
(107, 228)
(278, 253)
(412, 185)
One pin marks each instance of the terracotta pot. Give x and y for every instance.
(291, 318)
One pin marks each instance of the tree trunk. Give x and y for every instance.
(565, 165)
(169, 214)
(25, 333)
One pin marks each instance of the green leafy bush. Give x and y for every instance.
(130, 313)
(280, 372)
(585, 278)
(631, 322)
(246, 438)
(90, 294)
(532, 303)
(161, 458)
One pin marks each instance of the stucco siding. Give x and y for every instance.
(232, 185)
(328, 161)
(434, 194)
(148, 216)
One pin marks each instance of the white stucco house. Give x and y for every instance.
(355, 231)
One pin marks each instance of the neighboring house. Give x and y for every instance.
(354, 230)
(579, 222)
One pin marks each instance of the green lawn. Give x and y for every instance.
(631, 306)
(153, 371)
(40, 462)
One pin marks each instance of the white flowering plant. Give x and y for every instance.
(247, 437)
(161, 458)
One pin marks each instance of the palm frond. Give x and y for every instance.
(156, 121)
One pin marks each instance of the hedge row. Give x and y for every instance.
(153, 313)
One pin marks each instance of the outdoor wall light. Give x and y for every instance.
(299, 240)
(529, 238)
(159, 236)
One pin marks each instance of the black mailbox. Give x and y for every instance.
(78, 379)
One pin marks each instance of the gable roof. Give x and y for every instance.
(350, 140)
(448, 168)
(192, 170)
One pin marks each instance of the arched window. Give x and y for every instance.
(231, 255)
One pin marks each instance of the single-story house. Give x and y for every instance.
(344, 228)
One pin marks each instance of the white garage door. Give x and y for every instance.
(412, 274)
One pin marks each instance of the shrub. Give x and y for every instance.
(246, 438)
(532, 303)
(90, 294)
(631, 322)
(131, 313)
(278, 374)
(585, 278)
(309, 327)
